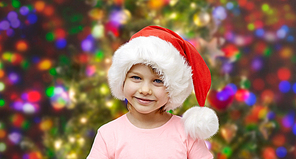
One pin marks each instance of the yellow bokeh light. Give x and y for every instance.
(46, 125)
(109, 104)
(83, 120)
(58, 144)
(44, 64)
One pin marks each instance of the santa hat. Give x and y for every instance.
(181, 67)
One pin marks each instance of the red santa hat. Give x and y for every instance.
(181, 67)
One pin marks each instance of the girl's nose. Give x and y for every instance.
(145, 90)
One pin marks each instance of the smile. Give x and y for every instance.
(144, 101)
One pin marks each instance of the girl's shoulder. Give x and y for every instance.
(113, 125)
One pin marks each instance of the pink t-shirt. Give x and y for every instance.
(120, 139)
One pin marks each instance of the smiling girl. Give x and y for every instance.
(155, 72)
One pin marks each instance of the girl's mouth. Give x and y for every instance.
(144, 101)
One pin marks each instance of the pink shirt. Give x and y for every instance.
(120, 139)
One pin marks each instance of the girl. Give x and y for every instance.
(155, 72)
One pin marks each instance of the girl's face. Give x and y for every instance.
(144, 89)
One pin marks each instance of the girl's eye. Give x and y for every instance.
(158, 81)
(136, 77)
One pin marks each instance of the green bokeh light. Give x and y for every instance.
(15, 3)
(25, 64)
(251, 26)
(2, 126)
(50, 91)
(99, 55)
(246, 84)
(76, 18)
(293, 59)
(50, 36)
(265, 7)
(267, 51)
(25, 125)
(53, 72)
(64, 60)
(227, 151)
(2, 102)
(75, 29)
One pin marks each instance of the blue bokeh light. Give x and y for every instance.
(281, 152)
(229, 5)
(24, 10)
(284, 86)
(288, 120)
(294, 87)
(251, 100)
(260, 32)
(61, 43)
(294, 129)
(32, 18)
(12, 16)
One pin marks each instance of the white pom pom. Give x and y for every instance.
(200, 122)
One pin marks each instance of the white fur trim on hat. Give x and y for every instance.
(162, 56)
(200, 122)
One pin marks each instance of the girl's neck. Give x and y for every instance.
(148, 121)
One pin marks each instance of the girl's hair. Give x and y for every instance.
(161, 110)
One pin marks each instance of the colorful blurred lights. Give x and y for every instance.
(33, 96)
(24, 10)
(98, 31)
(4, 25)
(61, 43)
(15, 137)
(21, 45)
(294, 88)
(242, 95)
(12, 15)
(229, 5)
(257, 64)
(288, 120)
(220, 13)
(281, 33)
(90, 70)
(120, 17)
(284, 73)
(251, 100)
(50, 91)
(32, 18)
(28, 108)
(44, 64)
(284, 86)
(58, 90)
(17, 105)
(2, 102)
(39, 5)
(281, 152)
(2, 146)
(269, 153)
(87, 45)
(2, 86)
(13, 77)
(60, 98)
(294, 129)
(260, 32)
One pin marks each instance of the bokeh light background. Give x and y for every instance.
(251, 44)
